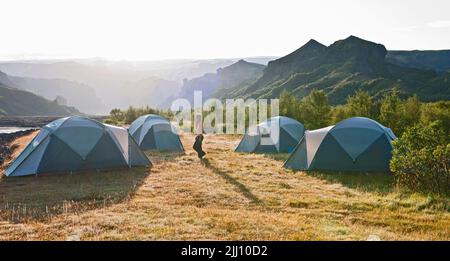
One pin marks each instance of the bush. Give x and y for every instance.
(315, 110)
(358, 105)
(339, 113)
(117, 116)
(399, 114)
(438, 111)
(421, 159)
(362, 105)
(111, 121)
(289, 105)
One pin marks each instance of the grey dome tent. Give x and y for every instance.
(289, 133)
(153, 132)
(354, 144)
(77, 143)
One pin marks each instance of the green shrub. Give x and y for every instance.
(399, 114)
(362, 105)
(111, 121)
(118, 116)
(289, 105)
(421, 159)
(315, 110)
(437, 111)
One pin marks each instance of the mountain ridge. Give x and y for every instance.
(341, 69)
(14, 102)
(78, 95)
(438, 60)
(226, 78)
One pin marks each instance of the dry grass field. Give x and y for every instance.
(228, 196)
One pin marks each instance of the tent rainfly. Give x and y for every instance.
(153, 132)
(287, 134)
(77, 143)
(355, 144)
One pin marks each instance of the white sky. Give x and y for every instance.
(166, 29)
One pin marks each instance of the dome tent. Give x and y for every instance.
(155, 132)
(77, 143)
(290, 132)
(354, 144)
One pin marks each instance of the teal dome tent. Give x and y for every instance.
(153, 132)
(289, 133)
(76, 143)
(354, 144)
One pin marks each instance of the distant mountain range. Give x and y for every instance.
(14, 102)
(76, 94)
(151, 91)
(106, 80)
(430, 60)
(224, 80)
(96, 86)
(347, 66)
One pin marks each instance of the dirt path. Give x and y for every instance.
(231, 196)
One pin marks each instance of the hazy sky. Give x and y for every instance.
(161, 29)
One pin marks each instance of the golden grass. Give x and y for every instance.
(227, 196)
(17, 145)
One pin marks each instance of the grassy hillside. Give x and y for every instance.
(15, 102)
(340, 70)
(229, 196)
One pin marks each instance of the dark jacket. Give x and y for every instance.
(198, 146)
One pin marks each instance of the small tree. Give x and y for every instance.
(130, 115)
(390, 112)
(400, 114)
(315, 110)
(438, 111)
(339, 113)
(116, 115)
(362, 105)
(411, 111)
(421, 159)
(289, 105)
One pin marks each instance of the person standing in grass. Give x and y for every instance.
(198, 146)
(199, 138)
